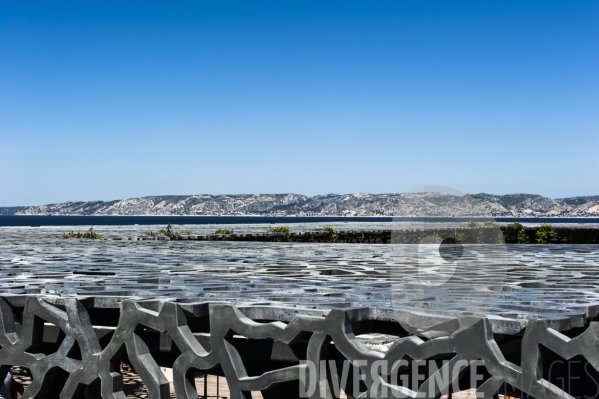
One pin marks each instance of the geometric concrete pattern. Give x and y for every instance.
(93, 370)
(72, 309)
(552, 282)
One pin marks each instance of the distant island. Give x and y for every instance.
(360, 204)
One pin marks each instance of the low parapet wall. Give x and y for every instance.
(564, 235)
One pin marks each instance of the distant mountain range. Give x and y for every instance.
(410, 204)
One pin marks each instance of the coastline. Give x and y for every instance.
(96, 220)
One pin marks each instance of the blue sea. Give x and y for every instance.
(202, 220)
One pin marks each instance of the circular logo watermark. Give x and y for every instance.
(448, 261)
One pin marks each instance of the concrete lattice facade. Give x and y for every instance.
(255, 312)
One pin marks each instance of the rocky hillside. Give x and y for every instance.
(257, 204)
(412, 204)
(10, 210)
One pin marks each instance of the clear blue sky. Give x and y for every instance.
(105, 100)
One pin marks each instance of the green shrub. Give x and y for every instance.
(490, 223)
(480, 233)
(168, 232)
(333, 236)
(515, 231)
(495, 235)
(458, 237)
(544, 233)
(90, 234)
(433, 237)
(288, 237)
(471, 224)
(223, 231)
(474, 236)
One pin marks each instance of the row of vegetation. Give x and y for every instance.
(469, 233)
(475, 233)
(166, 232)
(330, 236)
